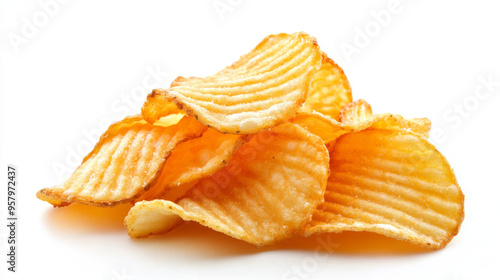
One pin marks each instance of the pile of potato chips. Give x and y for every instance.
(268, 148)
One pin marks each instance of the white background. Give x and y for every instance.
(84, 65)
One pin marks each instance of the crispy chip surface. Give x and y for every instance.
(329, 90)
(125, 162)
(329, 129)
(421, 126)
(157, 106)
(264, 88)
(356, 112)
(195, 159)
(391, 182)
(266, 193)
(323, 126)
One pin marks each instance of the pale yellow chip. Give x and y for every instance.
(264, 88)
(266, 193)
(390, 182)
(329, 90)
(195, 159)
(126, 161)
(356, 112)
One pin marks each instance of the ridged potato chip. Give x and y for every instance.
(52, 200)
(329, 129)
(359, 113)
(421, 126)
(157, 106)
(357, 116)
(323, 126)
(266, 193)
(126, 161)
(264, 88)
(390, 182)
(355, 112)
(329, 90)
(195, 159)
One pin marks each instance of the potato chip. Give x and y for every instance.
(329, 90)
(266, 193)
(356, 112)
(390, 182)
(157, 106)
(195, 159)
(54, 201)
(125, 162)
(329, 129)
(359, 113)
(357, 116)
(323, 126)
(174, 194)
(264, 88)
(421, 126)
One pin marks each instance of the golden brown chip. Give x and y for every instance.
(329, 90)
(125, 162)
(264, 88)
(391, 182)
(323, 126)
(420, 126)
(266, 193)
(195, 159)
(54, 201)
(329, 129)
(356, 112)
(157, 106)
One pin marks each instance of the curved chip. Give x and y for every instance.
(357, 116)
(323, 126)
(52, 200)
(393, 183)
(195, 159)
(264, 88)
(266, 193)
(421, 126)
(356, 112)
(329, 90)
(124, 163)
(359, 113)
(329, 129)
(157, 106)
